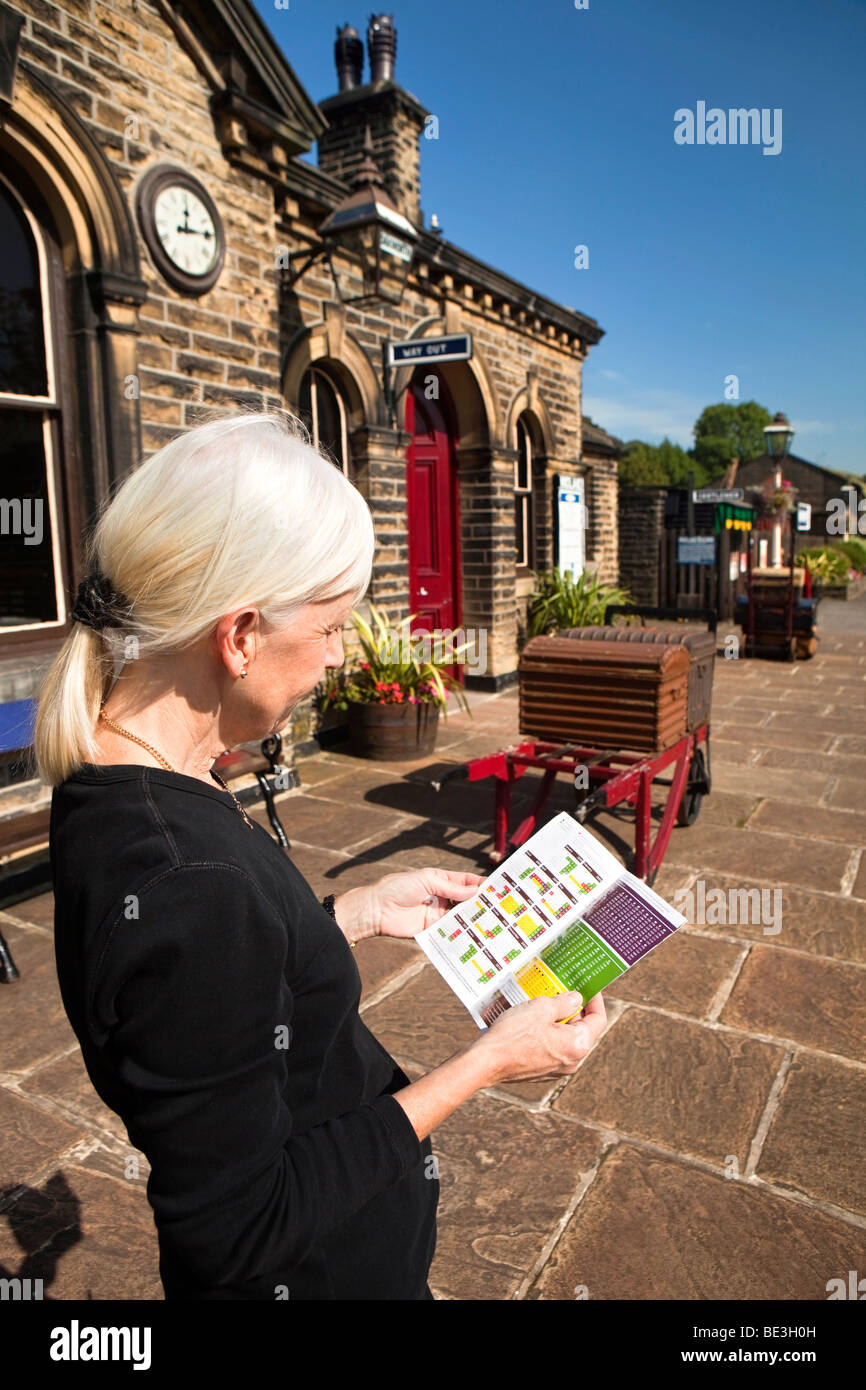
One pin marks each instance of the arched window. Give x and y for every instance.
(31, 588)
(524, 511)
(323, 410)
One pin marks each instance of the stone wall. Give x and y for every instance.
(144, 100)
(641, 527)
(603, 539)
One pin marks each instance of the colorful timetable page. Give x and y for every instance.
(561, 913)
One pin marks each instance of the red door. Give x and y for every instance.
(432, 502)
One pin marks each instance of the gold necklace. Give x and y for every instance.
(167, 764)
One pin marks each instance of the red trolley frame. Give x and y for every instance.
(618, 777)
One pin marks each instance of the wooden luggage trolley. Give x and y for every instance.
(614, 707)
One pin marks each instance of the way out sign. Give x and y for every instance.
(455, 348)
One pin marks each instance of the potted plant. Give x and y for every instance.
(560, 601)
(393, 696)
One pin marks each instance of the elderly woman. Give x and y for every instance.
(214, 998)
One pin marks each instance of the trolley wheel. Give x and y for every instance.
(690, 805)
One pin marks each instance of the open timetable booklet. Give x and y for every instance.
(560, 914)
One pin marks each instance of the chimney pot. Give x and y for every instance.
(349, 56)
(382, 47)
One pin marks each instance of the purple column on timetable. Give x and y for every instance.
(627, 923)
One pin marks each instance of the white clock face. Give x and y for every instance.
(186, 229)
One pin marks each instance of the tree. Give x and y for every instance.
(664, 464)
(725, 431)
(639, 465)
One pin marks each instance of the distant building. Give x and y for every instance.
(815, 484)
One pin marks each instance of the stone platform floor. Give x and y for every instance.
(708, 1148)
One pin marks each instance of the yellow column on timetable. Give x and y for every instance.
(535, 979)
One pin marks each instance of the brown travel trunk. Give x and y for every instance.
(700, 645)
(604, 694)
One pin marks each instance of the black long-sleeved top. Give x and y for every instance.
(216, 1004)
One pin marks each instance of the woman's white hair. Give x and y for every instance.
(242, 509)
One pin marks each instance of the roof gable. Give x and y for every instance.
(250, 78)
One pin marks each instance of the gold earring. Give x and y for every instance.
(243, 673)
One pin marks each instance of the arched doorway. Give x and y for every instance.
(432, 504)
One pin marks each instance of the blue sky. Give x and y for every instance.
(556, 128)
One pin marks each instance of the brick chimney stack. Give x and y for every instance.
(396, 119)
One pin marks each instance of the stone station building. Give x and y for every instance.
(120, 333)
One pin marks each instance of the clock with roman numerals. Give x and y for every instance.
(182, 228)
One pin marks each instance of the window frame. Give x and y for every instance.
(315, 372)
(524, 498)
(49, 406)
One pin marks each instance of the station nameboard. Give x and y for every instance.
(718, 494)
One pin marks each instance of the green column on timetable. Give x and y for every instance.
(580, 960)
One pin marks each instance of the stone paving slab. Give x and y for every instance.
(64, 1083)
(849, 827)
(652, 1228)
(728, 731)
(818, 1003)
(75, 1231)
(848, 793)
(806, 787)
(823, 924)
(495, 1214)
(801, 862)
(833, 764)
(41, 1027)
(822, 1106)
(684, 978)
(30, 1137)
(690, 1088)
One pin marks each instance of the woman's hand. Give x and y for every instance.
(403, 904)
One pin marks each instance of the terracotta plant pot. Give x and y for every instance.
(396, 732)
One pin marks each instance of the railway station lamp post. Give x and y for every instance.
(778, 438)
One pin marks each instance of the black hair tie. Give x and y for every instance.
(97, 602)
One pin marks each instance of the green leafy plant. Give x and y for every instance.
(384, 677)
(559, 601)
(826, 563)
(856, 552)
